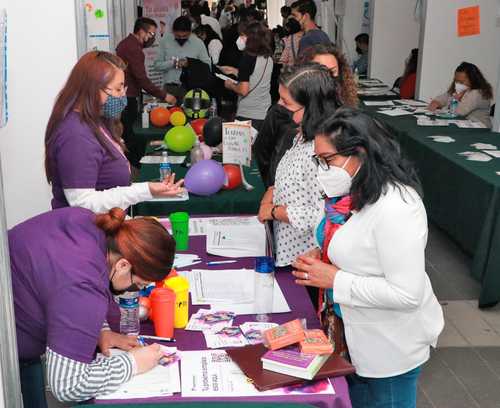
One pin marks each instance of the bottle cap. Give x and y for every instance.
(264, 264)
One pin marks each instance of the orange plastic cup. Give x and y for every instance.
(163, 309)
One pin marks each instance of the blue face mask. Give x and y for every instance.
(114, 106)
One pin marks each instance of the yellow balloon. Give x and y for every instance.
(178, 118)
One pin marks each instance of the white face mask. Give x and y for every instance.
(459, 87)
(241, 43)
(336, 181)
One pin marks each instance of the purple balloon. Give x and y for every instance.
(205, 178)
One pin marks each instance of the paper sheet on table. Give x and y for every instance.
(182, 197)
(236, 238)
(212, 373)
(494, 153)
(198, 226)
(395, 112)
(183, 260)
(158, 159)
(484, 146)
(442, 139)
(476, 156)
(410, 102)
(160, 381)
(378, 103)
(230, 336)
(370, 81)
(469, 124)
(230, 289)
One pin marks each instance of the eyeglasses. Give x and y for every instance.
(152, 33)
(323, 161)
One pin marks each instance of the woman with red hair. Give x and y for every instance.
(84, 151)
(62, 288)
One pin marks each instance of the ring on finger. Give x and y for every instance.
(306, 276)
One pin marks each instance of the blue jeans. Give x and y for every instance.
(399, 391)
(32, 385)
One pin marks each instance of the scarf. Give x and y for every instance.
(337, 212)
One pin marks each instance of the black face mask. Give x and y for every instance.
(149, 42)
(359, 50)
(181, 41)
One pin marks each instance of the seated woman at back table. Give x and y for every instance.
(407, 83)
(473, 92)
(84, 158)
(294, 202)
(372, 262)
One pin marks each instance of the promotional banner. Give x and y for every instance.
(164, 12)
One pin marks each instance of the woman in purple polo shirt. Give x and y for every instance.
(65, 263)
(84, 158)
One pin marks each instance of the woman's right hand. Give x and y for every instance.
(146, 357)
(267, 198)
(167, 187)
(228, 70)
(434, 105)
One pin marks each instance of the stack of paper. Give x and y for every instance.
(184, 196)
(183, 260)
(234, 336)
(230, 289)
(236, 238)
(411, 102)
(158, 382)
(212, 373)
(395, 112)
(378, 103)
(158, 159)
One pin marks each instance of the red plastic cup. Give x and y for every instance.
(162, 311)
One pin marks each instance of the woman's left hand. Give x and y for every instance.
(109, 339)
(265, 212)
(310, 271)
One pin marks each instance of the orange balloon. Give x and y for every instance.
(159, 116)
(233, 174)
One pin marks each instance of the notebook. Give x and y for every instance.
(248, 359)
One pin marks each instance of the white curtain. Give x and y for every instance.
(273, 12)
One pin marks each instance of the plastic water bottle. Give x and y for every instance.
(129, 313)
(212, 110)
(453, 106)
(145, 119)
(196, 154)
(356, 76)
(165, 169)
(264, 287)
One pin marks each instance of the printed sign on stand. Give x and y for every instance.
(237, 143)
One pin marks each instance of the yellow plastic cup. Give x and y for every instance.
(180, 286)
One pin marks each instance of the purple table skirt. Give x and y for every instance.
(300, 306)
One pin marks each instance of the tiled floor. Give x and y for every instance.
(464, 371)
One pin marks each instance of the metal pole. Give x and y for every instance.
(9, 364)
(495, 126)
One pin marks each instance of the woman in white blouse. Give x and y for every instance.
(294, 202)
(376, 260)
(472, 91)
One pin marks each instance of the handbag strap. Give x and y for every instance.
(293, 48)
(260, 80)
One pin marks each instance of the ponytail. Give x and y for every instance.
(111, 221)
(144, 242)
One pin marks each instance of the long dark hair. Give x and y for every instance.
(92, 73)
(476, 78)
(354, 133)
(312, 87)
(412, 63)
(347, 89)
(259, 39)
(209, 32)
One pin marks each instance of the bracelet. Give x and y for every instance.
(272, 212)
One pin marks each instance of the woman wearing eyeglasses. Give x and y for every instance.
(84, 154)
(372, 262)
(294, 202)
(62, 288)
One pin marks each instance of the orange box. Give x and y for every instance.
(315, 342)
(284, 335)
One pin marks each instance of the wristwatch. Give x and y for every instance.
(272, 212)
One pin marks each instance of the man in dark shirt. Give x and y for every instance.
(131, 51)
(304, 11)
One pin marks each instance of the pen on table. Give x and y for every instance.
(220, 262)
(166, 339)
